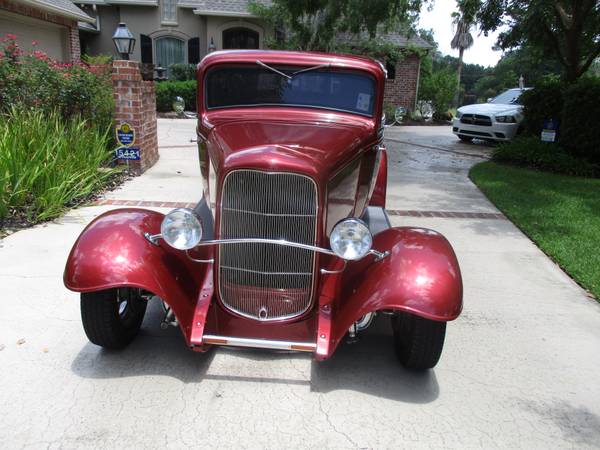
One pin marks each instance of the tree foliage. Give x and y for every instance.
(567, 30)
(316, 24)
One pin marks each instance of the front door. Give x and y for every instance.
(240, 37)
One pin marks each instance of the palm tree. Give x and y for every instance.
(462, 41)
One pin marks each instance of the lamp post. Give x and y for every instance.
(124, 41)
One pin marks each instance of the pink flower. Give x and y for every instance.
(10, 36)
(38, 54)
(34, 43)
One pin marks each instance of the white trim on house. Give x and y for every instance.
(203, 12)
(54, 9)
(133, 2)
(91, 2)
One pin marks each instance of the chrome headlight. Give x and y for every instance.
(351, 239)
(506, 119)
(181, 229)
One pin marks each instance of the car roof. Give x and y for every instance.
(299, 58)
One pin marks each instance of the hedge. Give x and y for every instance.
(530, 152)
(576, 107)
(544, 101)
(579, 131)
(166, 91)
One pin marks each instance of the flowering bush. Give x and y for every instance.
(34, 80)
(55, 133)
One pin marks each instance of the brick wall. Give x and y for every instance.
(402, 91)
(135, 104)
(30, 11)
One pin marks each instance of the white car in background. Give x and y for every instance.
(497, 120)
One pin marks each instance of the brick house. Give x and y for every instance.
(53, 24)
(172, 31)
(402, 84)
(184, 31)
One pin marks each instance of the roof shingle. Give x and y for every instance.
(228, 6)
(64, 8)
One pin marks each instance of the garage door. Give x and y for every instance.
(51, 38)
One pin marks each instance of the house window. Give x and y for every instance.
(169, 50)
(240, 37)
(169, 11)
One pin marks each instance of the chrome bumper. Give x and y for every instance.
(153, 238)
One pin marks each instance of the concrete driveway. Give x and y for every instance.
(520, 369)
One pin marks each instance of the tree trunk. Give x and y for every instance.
(461, 51)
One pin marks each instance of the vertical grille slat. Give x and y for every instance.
(267, 281)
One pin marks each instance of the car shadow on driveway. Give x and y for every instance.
(368, 366)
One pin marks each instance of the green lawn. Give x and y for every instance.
(560, 213)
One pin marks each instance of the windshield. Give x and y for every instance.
(284, 86)
(509, 97)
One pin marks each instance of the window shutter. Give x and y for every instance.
(146, 49)
(194, 50)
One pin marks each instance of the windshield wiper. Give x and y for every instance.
(273, 69)
(308, 69)
(289, 77)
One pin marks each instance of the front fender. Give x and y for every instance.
(112, 252)
(420, 276)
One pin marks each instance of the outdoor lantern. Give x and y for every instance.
(212, 47)
(124, 41)
(161, 73)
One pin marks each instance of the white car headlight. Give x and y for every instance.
(506, 119)
(351, 239)
(181, 229)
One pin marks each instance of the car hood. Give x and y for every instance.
(489, 108)
(314, 147)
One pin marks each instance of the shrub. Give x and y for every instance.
(544, 101)
(97, 60)
(529, 151)
(389, 110)
(33, 80)
(47, 162)
(438, 88)
(579, 132)
(166, 91)
(182, 72)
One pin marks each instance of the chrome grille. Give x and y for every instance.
(267, 281)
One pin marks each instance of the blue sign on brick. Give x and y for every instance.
(125, 135)
(128, 153)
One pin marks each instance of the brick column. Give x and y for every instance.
(135, 104)
(74, 45)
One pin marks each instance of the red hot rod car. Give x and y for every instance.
(290, 246)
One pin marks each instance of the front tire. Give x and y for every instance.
(418, 341)
(112, 318)
(464, 138)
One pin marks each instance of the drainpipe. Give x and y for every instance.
(418, 81)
